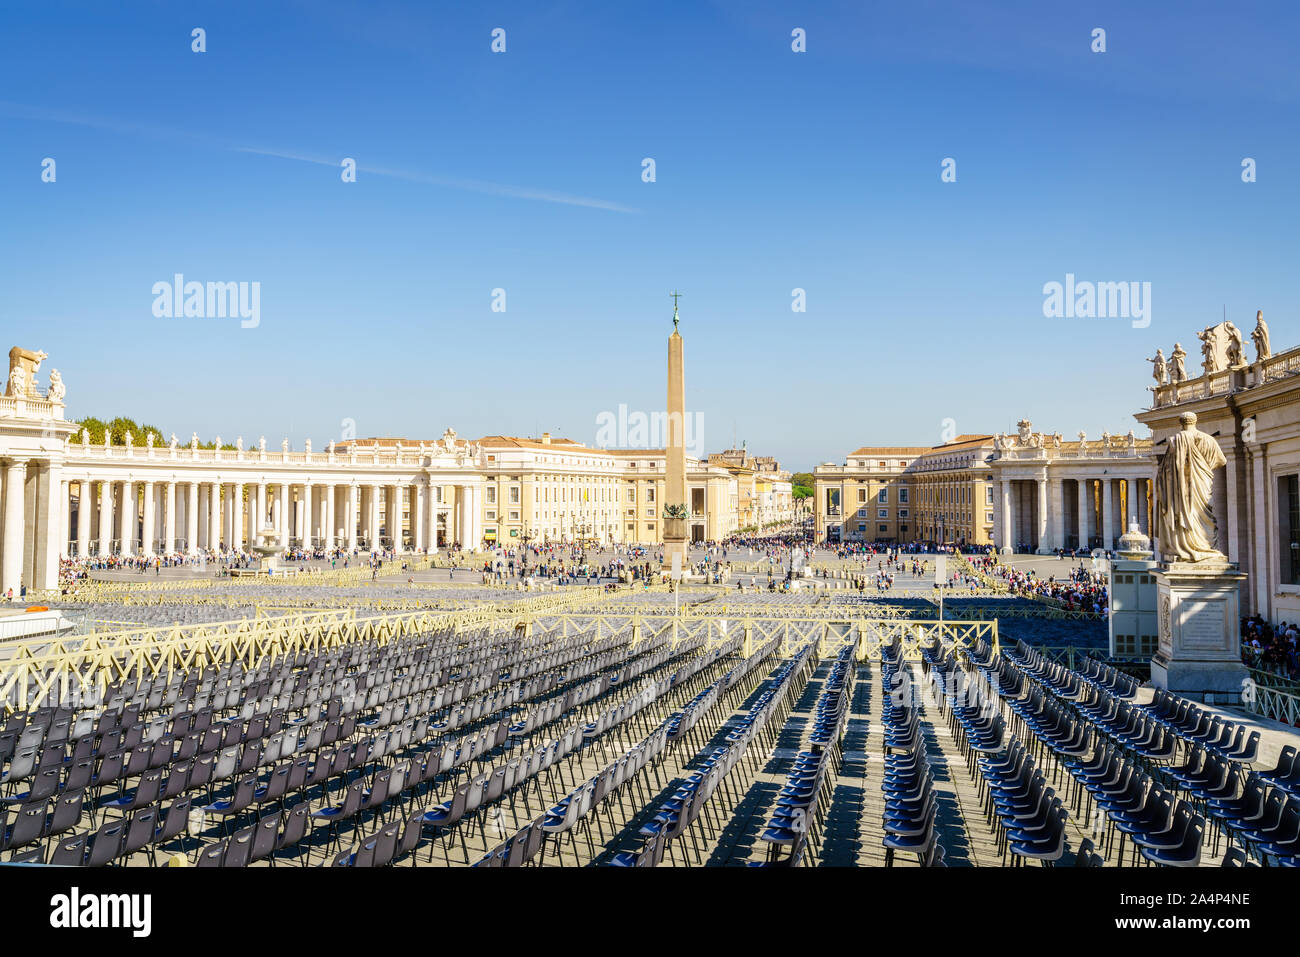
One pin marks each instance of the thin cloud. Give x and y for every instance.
(41, 114)
(473, 185)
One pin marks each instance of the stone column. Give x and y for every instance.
(15, 515)
(168, 544)
(48, 531)
(328, 527)
(351, 513)
(237, 516)
(1041, 484)
(1006, 524)
(191, 518)
(372, 520)
(260, 520)
(396, 523)
(308, 519)
(65, 520)
(129, 519)
(1107, 515)
(85, 509)
(146, 543)
(1057, 489)
(1084, 514)
(417, 518)
(226, 510)
(282, 513)
(212, 496)
(105, 528)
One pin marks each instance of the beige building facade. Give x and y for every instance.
(1252, 409)
(60, 495)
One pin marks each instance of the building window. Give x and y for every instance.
(1289, 546)
(884, 528)
(631, 494)
(882, 496)
(862, 495)
(514, 495)
(988, 517)
(882, 513)
(902, 496)
(650, 494)
(514, 516)
(862, 526)
(902, 513)
(491, 515)
(988, 495)
(491, 494)
(862, 513)
(902, 530)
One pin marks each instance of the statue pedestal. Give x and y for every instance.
(1199, 654)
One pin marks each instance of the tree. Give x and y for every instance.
(118, 427)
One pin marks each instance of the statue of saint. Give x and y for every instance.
(1177, 371)
(57, 388)
(1185, 521)
(18, 381)
(1209, 361)
(1236, 350)
(1260, 338)
(1158, 368)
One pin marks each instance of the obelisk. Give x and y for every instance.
(676, 510)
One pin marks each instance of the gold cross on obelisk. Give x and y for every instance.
(674, 294)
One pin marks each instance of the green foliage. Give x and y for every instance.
(802, 478)
(801, 491)
(118, 428)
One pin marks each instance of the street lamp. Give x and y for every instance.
(526, 536)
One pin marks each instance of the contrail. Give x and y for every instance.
(474, 185)
(25, 112)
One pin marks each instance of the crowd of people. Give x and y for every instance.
(1079, 590)
(1271, 648)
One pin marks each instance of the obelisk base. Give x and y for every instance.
(684, 562)
(1198, 615)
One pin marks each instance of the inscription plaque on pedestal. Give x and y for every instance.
(1204, 626)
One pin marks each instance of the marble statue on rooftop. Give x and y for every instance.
(1260, 338)
(1158, 368)
(1177, 369)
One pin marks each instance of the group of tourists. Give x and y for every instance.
(1271, 648)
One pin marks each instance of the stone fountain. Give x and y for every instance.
(268, 548)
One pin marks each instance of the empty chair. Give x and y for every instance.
(70, 851)
(106, 843)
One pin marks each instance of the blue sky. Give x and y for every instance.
(522, 171)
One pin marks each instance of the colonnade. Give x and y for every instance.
(97, 513)
(143, 518)
(1047, 512)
